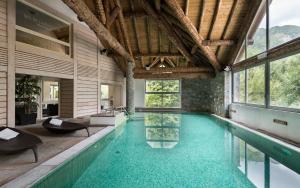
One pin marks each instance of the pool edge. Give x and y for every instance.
(37, 173)
(280, 142)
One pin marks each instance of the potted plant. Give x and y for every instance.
(27, 90)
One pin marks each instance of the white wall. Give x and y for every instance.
(261, 118)
(139, 94)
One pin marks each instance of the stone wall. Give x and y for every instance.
(211, 95)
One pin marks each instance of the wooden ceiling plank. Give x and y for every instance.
(201, 15)
(233, 7)
(215, 15)
(135, 27)
(159, 40)
(137, 14)
(187, 23)
(165, 26)
(147, 21)
(85, 14)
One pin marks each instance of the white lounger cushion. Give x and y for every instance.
(56, 122)
(7, 134)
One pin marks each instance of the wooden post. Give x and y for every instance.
(11, 71)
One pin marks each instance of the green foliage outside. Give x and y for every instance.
(162, 94)
(27, 91)
(285, 82)
(285, 73)
(256, 85)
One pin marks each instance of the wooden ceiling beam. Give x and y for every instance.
(233, 7)
(215, 15)
(123, 27)
(186, 8)
(155, 62)
(169, 61)
(189, 26)
(276, 53)
(112, 16)
(159, 55)
(174, 76)
(85, 14)
(174, 70)
(100, 12)
(166, 27)
(157, 4)
(106, 7)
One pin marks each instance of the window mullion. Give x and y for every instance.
(246, 86)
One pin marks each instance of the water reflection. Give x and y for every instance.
(257, 161)
(259, 167)
(162, 130)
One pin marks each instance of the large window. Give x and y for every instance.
(285, 82)
(278, 85)
(37, 28)
(257, 36)
(162, 94)
(239, 87)
(284, 21)
(256, 85)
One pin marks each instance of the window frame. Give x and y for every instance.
(43, 36)
(267, 62)
(162, 92)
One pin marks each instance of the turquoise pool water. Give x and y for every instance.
(180, 150)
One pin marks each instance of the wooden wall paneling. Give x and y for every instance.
(11, 38)
(74, 39)
(87, 100)
(3, 24)
(66, 98)
(99, 46)
(87, 72)
(47, 65)
(3, 98)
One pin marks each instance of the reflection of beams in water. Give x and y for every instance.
(162, 127)
(161, 140)
(138, 119)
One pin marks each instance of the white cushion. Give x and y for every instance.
(7, 134)
(56, 122)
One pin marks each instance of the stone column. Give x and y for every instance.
(130, 89)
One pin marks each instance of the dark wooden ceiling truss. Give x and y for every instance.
(169, 38)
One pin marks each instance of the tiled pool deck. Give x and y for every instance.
(20, 170)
